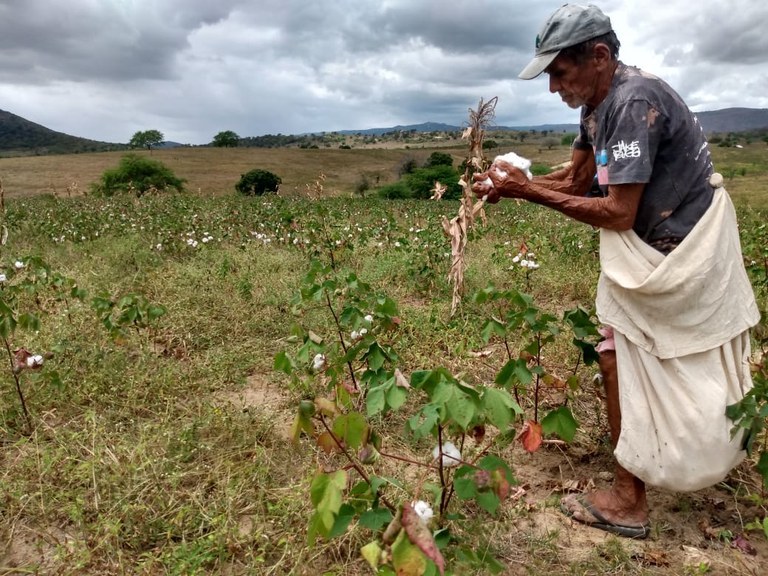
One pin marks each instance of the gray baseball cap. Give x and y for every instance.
(570, 25)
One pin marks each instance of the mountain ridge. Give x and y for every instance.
(19, 135)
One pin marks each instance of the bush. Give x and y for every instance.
(138, 175)
(422, 182)
(258, 182)
(395, 191)
(438, 159)
(540, 169)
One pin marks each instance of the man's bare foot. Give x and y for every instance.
(609, 511)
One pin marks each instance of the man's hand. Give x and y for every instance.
(500, 180)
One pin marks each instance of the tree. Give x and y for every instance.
(226, 139)
(139, 175)
(146, 139)
(258, 182)
(438, 159)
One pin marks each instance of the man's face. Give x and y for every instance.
(575, 83)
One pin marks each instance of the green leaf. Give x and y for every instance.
(488, 501)
(372, 554)
(424, 421)
(351, 428)
(588, 351)
(461, 408)
(375, 518)
(284, 363)
(29, 321)
(396, 396)
(326, 495)
(561, 423)
(500, 407)
(465, 487)
(343, 518)
(422, 378)
(407, 559)
(514, 371)
(493, 327)
(375, 356)
(375, 401)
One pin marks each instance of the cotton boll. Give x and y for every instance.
(451, 455)
(517, 161)
(423, 510)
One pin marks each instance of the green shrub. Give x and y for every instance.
(395, 191)
(422, 182)
(540, 169)
(438, 159)
(138, 175)
(258, 182)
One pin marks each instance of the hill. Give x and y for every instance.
(725, 120)
(734, 120)
(21, 136)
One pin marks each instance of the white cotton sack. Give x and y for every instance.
(517, 161)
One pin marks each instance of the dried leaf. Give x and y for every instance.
(480, 353)
(652, 558)
(327, 443)
(438, 191)
(530, 436)
(420, 535)
(326, 406)
(401, 380)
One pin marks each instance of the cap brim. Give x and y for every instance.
(538, 65)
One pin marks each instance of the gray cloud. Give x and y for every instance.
(104, 69)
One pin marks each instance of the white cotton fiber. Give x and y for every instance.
(517, 161)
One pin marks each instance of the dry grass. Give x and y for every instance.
(216, 170)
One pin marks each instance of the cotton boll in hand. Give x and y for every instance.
(517, 161)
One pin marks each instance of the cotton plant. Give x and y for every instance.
(352, 379)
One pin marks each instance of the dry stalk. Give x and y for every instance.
(457, 228)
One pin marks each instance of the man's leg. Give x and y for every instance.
(625, 502)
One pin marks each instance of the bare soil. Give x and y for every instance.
(693, 533)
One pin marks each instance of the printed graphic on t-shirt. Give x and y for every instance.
(624, 151)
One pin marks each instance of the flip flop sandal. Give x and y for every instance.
(601, 523)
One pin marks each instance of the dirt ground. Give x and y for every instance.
(694, 533)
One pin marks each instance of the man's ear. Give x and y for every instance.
(601, 55)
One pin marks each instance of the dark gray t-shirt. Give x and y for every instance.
(643, 132)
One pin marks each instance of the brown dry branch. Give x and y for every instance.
(457, 228)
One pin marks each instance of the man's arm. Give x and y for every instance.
(617, 211)
(576, 178)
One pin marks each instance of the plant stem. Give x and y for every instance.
(18, 386)
(341, 339)
(359, 469)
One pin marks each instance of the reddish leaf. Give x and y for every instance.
(420, 535)
(482, 479)
(350, 387)
(500, 483)
(530, 436)
(741, 543)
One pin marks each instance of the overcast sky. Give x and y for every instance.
(104, 69)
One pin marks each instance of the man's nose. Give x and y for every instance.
(554, 84)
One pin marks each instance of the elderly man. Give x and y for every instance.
(673, 296)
